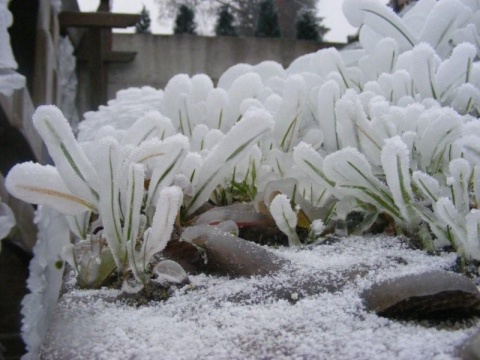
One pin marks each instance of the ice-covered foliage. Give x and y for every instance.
(383, 137)
(7, 221)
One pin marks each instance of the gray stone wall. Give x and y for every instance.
(161, 57)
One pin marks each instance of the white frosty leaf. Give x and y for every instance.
(428, 185)
(153, 124)
(352, 174)
(311, 163)
(441, 24)
(460, 172)
(396, 165)
(288, 118)
(70, 160)
(285, 218)
(327, 98)
(380, 19)
(471, 244)
(7, 221)
(455, 70)
(231, 74)
(217, 101)
(109, 206)
(79, 224)
(449, 216)
(166, 210)
(131, 226)
(423, 67)
(43, 185)
(175, 149)
(244, 87)
(221, 161)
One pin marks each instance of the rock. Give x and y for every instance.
(229, 255)
(429, 295)
(170, 272)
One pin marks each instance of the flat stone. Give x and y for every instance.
(430, 294)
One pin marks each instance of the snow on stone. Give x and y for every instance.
(220, 318)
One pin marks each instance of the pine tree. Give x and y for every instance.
(225, 20)
(267, 23)
(143, 25)
(184, 22)
(308, 26)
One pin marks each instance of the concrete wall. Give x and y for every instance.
(161, 57)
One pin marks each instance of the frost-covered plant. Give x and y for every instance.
(7, 221)
(114, 193)
(388, 132)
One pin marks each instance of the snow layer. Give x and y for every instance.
(221, 318)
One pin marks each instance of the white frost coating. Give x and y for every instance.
(441, 24)
(231, 74)
(10, 81)
(168, 205)
(7, 221)
(428, 185)
(7, 60)
(43, 185)
(131, 227)
(228, 153)
(460, 171)
(396, 165)
(285, 218)
(423, 67)
(152, 125)
(45, 279)
(328, 96)
(472, 242)
(175, 149)
(108, 167)
(69, 158)
(311, 163)
(454, 71)
(67, 79)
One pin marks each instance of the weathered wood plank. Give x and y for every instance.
(97, 19)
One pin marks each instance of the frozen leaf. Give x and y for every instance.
(380, 19)
(471, 244)
(109, 207)
(175, 149)
(79, 224)
(285, 218)
(7, 221)
(455, 70)
(152, 125)
(327, 98)
(441, 24)
(43, 185)
(166, 210)
(131, 226)
(244, 87)
(423, 67)
(70, 160)
(231, 74)
(396, 165)
(454, 222)
(311, 163)
(428, 185)
(289, 115)
(352, 174)
(217, 101)
(459, 180)
(228, 153)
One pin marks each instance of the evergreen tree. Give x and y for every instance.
(143, 25)
(267, 23)
(225, 20)
(308, 26)
(184, 22)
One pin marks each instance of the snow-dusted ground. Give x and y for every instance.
(221, 318)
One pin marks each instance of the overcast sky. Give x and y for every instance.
(330, 10)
